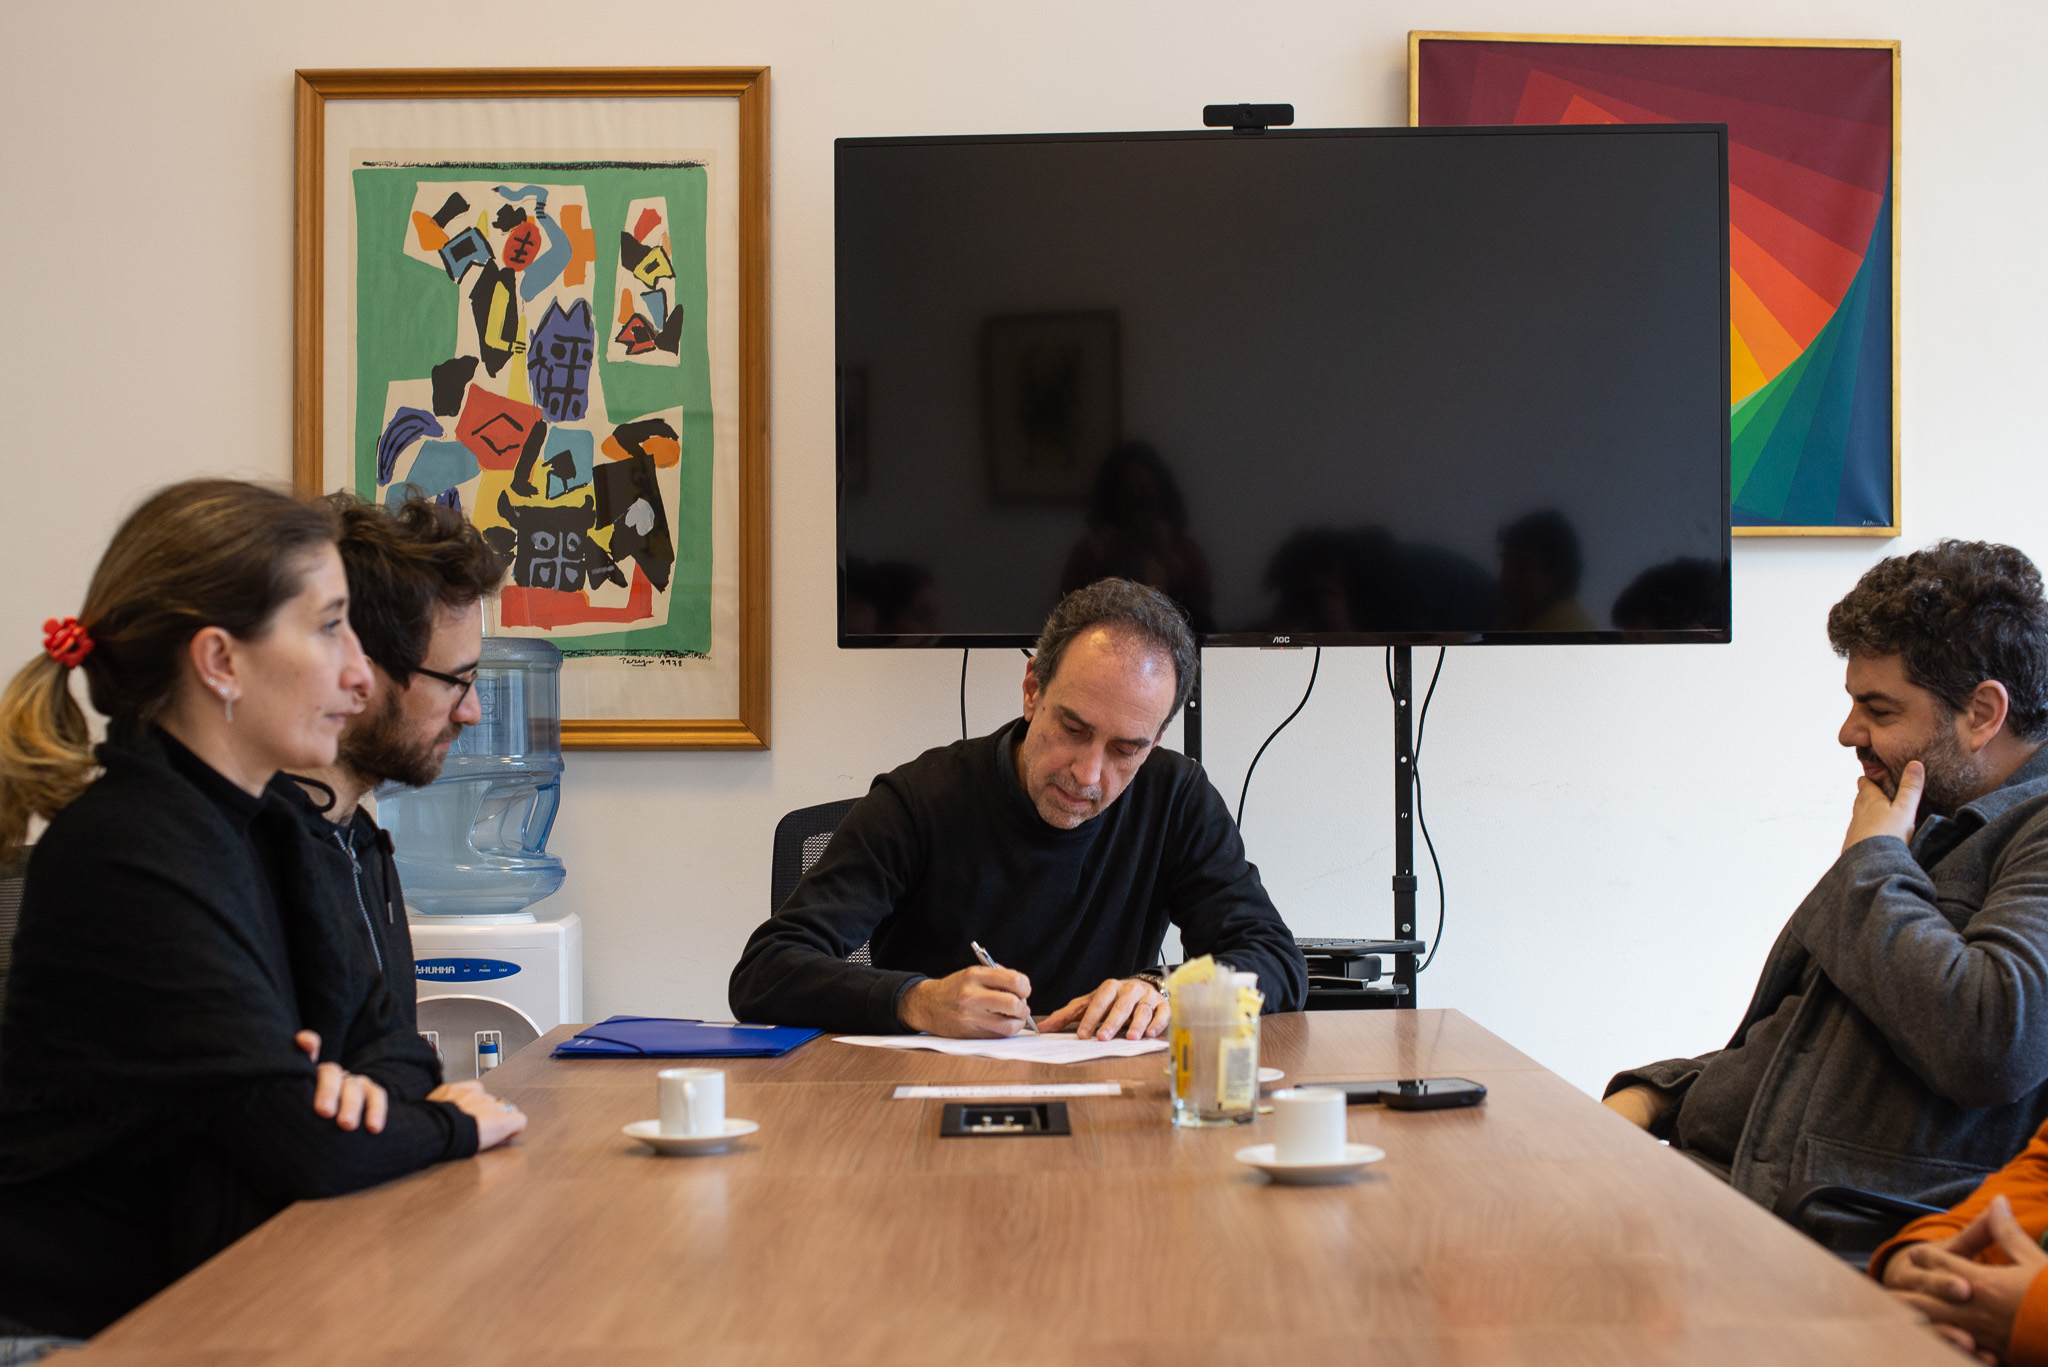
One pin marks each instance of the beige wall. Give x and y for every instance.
(1625, 829)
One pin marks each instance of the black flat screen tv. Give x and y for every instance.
(1324, 387)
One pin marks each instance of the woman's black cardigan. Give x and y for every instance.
(175, 933)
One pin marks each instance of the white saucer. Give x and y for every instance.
(649, 1133)
(1355, 1157)
(1267, 1075)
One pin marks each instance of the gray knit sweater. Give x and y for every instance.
(1898, 1038)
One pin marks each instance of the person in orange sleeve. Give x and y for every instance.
(1974, 1270)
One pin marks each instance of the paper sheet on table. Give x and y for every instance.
(1059, 1048)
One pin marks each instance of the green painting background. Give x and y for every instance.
(406, 325)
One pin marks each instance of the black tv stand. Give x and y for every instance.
(1404, 822)
(1345, 975)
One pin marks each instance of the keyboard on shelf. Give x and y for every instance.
(1351, 948)
(1346, 973)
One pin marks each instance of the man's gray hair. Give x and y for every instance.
(1157, 620)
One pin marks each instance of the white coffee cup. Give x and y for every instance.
(692, 1101)
(1308, 1125)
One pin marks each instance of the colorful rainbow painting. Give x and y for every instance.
(1812, 172)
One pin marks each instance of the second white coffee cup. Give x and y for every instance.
(692, 1101)
(1308, 1125)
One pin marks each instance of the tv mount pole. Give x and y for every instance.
(1404, 947)
(1404, 825)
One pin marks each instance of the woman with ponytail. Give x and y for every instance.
(46, 747)
(189, 1041)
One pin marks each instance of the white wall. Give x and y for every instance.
(1624, 829)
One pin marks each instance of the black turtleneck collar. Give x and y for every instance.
(238, 806)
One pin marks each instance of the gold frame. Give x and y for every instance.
(1417, 37)
(749, 85)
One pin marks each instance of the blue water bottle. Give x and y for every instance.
(474, 841)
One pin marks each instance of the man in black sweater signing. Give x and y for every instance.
(1064, 843)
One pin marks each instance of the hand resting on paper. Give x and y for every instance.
(975, 1003)
(1118, 1003)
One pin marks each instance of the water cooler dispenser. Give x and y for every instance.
(472, 853)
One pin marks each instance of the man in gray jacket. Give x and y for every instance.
(1898, 1039)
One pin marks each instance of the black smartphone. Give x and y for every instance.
(1410, 1093)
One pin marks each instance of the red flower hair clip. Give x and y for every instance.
(66, 641)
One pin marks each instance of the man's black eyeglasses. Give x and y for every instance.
(453, 680)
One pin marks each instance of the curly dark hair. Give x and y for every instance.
(1135, 607)
(403, 563)
(1957, 613)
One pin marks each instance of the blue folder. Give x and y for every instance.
(658, 1037)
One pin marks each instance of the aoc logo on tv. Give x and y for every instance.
(462, 970)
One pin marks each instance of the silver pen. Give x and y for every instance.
(987, 962)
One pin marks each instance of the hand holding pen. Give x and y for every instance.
(981, 1002)
(1030, 1027)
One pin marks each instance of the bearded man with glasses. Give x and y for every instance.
(417, 577)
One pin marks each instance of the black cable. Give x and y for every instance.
(1276, 731)
(1428, 844)
(1415, 773)
(1422, 718)
(964, 653)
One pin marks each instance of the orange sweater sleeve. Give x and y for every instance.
(2028, 1346)
(2024, 1182)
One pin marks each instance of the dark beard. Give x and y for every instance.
(377, 750)
(1953, 778)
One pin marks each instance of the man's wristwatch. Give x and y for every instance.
(1155, 975)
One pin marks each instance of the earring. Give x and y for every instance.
(221, 688)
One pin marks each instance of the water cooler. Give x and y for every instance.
(472, 854)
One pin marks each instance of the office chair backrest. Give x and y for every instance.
(800, 838)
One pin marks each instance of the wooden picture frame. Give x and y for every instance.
(1813, 289)
(673, 588)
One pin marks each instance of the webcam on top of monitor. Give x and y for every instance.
(1247, 118)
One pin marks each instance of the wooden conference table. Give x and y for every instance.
(1539, 1228)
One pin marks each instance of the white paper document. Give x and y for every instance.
(1060, 1048)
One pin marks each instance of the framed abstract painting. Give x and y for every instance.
(1813, 170)
(540, 297)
